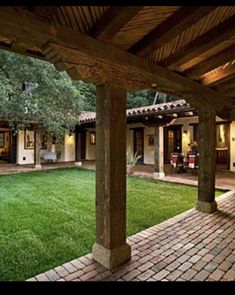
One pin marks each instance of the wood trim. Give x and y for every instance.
(171, 27)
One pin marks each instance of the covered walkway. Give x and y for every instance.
(193, 246)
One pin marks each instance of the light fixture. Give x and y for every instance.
(185, 132)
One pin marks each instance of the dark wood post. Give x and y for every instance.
(78, 159)
(111, 248)
(206, 177)
(158, 153)
(37, 147)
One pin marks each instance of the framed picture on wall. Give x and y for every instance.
(28, 139)
(92, 138)
(150, 140)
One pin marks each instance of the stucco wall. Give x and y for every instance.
(66, 150)
(24, 156)
(69, 147)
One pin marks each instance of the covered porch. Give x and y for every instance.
(192, 59)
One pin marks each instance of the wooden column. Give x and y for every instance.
(37, 147)
(111, 248)
(206, 177)
(78, 161)
(158, 153)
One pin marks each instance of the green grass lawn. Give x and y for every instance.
(48, 218)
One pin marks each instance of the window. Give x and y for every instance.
(92, 138)
(1, 139)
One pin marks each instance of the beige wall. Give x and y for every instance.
(24, 156)
(69, 147)
(67, 150)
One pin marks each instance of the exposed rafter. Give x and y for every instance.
(171, 27)
(211, 63)
(219, 75)
(201, 44)
(112, 21)
(33, 29)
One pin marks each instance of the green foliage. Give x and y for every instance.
(132, 159)
(55, 102)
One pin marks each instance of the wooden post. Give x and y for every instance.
(206, 178)
(78, 161)
(37, 147)
(158, 153)
(111, 248)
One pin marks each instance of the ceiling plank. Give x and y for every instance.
(211, 63)
(219, 75)
(39, 31)
(223, 31)
(171, 27)
(112, 21)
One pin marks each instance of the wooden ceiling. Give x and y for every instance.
(196, 42)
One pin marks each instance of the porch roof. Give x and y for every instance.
(185, 51)
(162, 109)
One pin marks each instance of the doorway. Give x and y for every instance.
(172, 141)
(139, 143)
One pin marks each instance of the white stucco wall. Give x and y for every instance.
(66, 150)
(232, 146)
(69, 147)
(24, 156)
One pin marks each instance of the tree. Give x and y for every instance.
(51, 99)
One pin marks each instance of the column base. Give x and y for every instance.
(38, 166)
(78, 164)
(111, 258)
(158, 175)
(207, 207)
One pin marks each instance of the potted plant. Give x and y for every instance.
(131, 162)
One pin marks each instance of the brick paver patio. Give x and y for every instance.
(192, 246)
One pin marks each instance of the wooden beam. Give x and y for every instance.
(225, 85)
(34, 30)
(221, 32)
(219, 75)
(111, 248)
(171, 27)
(211, 63)
(112, 21)
(206, 176)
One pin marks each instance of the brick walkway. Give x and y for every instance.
(192, 246)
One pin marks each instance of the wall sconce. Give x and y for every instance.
(233, 138)
(185, 132)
